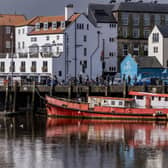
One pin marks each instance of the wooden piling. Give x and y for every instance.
(14, 97)
(69, 92)
(33, 97)
(106, 91)
(6, 96)
(125, 89)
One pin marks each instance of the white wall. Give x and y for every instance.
(159, 44)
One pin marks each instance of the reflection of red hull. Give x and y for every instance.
(137, 134)
(63, 108)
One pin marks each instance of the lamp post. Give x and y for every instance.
(12, 65)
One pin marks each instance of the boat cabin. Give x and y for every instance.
(110, 102)
(149, 100)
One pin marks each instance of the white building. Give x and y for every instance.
(106, 22)
(63, 46)
(158, 44)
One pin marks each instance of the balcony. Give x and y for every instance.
(23, 55)
(44, 69)
(34, 55)
(3, 55)
(46, 55)
(11, 69)
(22, 69)
(33, 69)
(2, 69)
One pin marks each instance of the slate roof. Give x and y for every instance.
(101, 13)
(163, 30)
(147, 62)
(141, 7)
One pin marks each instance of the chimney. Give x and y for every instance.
(68, 11)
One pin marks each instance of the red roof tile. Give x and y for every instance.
(11, 20)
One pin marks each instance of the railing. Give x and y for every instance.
(43, 54)
(33, 69)
(44, 69)
(3, 55)
(22, 69)
(23, 55)
(34, 55)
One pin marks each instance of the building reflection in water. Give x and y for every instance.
(64, 143)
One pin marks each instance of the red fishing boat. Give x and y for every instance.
(142, 106)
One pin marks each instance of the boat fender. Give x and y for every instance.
(154, 114)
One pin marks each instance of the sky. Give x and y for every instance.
(31, 8)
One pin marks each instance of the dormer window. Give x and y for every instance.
(37, 26)
(54, 25)
(63, 25)
(46, 26)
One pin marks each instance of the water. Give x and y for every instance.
(27, 142)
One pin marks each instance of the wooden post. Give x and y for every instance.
(33, 97)
(125, 89)
(14, 97)
(69, 92)
(106, 90)
(6, 96)
(51, 88)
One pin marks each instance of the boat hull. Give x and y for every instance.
(57, 108)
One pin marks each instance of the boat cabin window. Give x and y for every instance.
(139, 97)
(159, 98)
(120, 103)
(153, 97)
(166, 98)
(112, 102)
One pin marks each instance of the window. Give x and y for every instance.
(120, 103)
(63, 25)
(19, 45)
(87, 26)
(124, 19)
(166, 98)
(146, 33)
(2, 66)
(45, 66)
(111, 25)
(57, 49)
(84, 38)
(136, 20)
(23, 44)
(46, 26)
(111, 39)
(85, 51)
(157, 19)
(125, 32)
(136, 49)
(8, 29)
(125, 49)
(12, 67)
(23, 66)
(8, 44)
(54, 25)
(166, 19)
(113, 103)
(37, 26)
(33, 67)
(59, 73)
(155, 49)
(139, 97)
(145, 50)
(47, 38)
(155, 37)
(18, 31)
(23, 31)
(58, 37)
(111, 54)
(146, 20)
(33, 39)
(159, 98)
(136, 33)
(80, 26)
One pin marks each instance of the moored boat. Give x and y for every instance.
(142, 106)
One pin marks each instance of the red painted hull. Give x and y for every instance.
(63, 108)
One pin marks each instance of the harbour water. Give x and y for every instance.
(38, 142)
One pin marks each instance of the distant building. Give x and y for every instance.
(135, 22)
(139, 67)
(7, 32)
(158, 44)
(107, 24)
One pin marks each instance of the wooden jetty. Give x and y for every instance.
(31, 97)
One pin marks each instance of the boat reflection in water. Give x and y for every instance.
(136, 134)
